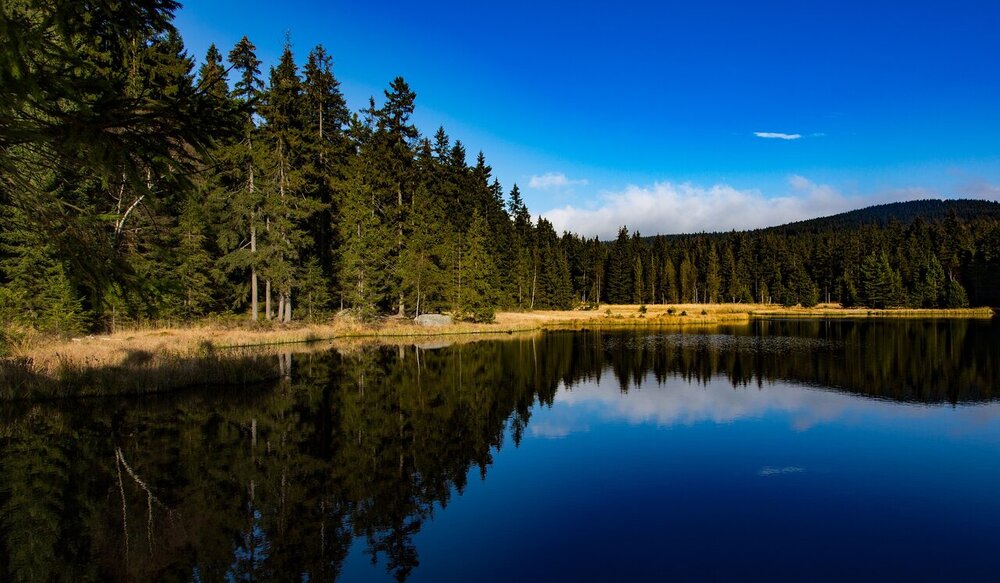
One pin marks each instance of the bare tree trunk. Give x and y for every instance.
(534, 282)
(267, 298)
(253, 272)
(399, 243)
(288, 307)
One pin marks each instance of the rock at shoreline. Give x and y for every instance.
(433, 320)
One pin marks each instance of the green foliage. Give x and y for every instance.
(619, 276)
(880, 284)
(955, 296)
(314, 291)
(38, 293)
(476, 275)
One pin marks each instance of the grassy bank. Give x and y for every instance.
(160, 358)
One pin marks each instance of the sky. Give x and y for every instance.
(671, 117)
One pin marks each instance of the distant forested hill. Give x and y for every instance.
(927, 253)
(904, 212)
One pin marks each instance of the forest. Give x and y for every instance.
(139, 184)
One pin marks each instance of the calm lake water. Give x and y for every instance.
(782, 450)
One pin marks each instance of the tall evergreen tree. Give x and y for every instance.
(619, 270)
(475, 274)
(244, 204)
(325, 152)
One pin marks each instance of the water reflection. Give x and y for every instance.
(364, 447)
(677, 401)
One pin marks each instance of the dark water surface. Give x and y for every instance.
(783, 450)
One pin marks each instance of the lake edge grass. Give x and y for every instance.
(152, 359)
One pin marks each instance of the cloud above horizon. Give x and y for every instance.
(777, 136)
(674, 208)
(553, 180)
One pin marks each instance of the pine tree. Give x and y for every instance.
(366, 241)
(688, 277)
(881, 286)
(638, 285)
(287, 209)
(325, 152)
(69, 79)
(393, 142)
(476, 274)
(244, 204)
(37, 292)
(619, 270)
(195, 269)
(713, 280)
(314, 290)
(669, 288)
(425, 254)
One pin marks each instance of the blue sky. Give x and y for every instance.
(666, 116)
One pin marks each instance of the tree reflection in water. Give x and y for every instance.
(367, 444)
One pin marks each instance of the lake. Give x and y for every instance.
(779, 450)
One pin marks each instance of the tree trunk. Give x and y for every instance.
(253, 254)
(253, 273)
(534, 283)
(399, 243)
(267, 298)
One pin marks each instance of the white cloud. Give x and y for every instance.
(671, 208)
(772, 471)
(684, 208)
(982, 190)
(777, 135)
(553, 180)
(679, 402)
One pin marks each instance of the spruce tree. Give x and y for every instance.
(619, 270)
(244, 204)
(425, 254)
(477, 276)
(713, 279)
(325, 153)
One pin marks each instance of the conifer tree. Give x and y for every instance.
(713, 279)
(244, 204)
(638, 285)
(476, 274)
(669, 289)
(287, 209)
(688, 277)
(195, 270)
(619, 270)
(325, 151)
(524, 271)
(425, 253)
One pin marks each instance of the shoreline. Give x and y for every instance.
(164, 358)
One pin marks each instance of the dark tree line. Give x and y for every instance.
(137, 187)
(943, 261)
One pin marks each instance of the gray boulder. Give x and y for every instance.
(433, 320)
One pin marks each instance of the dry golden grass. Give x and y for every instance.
(166, 348)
